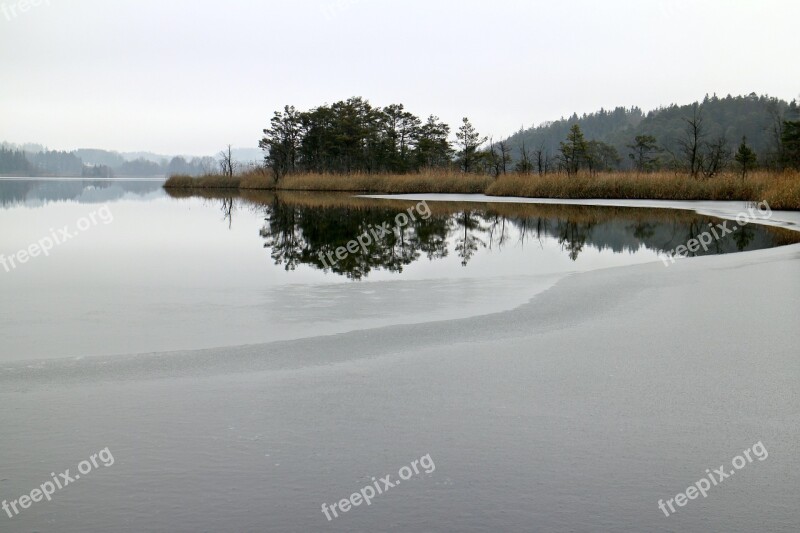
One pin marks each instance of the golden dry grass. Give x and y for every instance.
(423, 182)
(211, 181)
(780, 190)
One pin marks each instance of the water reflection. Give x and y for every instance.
(35, 192)
(304, 229)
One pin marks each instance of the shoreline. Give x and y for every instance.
(780, 189)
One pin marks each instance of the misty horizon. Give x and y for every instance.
(250, 153)
(186, 78)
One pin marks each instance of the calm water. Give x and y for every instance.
(553, 415)
(153, 272)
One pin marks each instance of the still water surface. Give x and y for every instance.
(152, 272)
(565, 414)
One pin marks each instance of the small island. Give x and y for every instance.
(733, 148)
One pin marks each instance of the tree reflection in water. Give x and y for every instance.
(304, 229)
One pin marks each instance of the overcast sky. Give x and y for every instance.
(189, 76)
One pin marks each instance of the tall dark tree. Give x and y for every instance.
(601, 157)
(574, 151)
(281, 141)
(401, 130)
(469, 140)
(433, 148)
(790, 143)
(746, 157)
(644, 152)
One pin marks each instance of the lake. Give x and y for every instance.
(164, 273)
(234, 370)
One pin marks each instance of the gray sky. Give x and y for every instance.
(189, 76)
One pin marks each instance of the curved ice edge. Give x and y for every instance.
(347, 346)
(725, 210)
(544, 282)
(562, 306)
(293, 354)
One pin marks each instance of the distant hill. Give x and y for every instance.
(31, 159)
(752, 116)
(100, 157)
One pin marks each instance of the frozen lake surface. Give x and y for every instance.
(552, 393)
(161, 273)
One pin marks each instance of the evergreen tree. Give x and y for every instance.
(644, 152)
(433, 149)
(574, 152)
(468, 140)
(790, 143)
(280, 142)
(14, 162)
(601, 156)
(745, 157)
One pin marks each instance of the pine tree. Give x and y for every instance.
(790, 143)
(574, 151)
(643, 152)
(468, 140)
(745, 157)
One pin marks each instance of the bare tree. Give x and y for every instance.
(494, 159)
(525, 164)
(226, 162)
(505, 154)
(542, 158)
(716, 157)
(692, 144)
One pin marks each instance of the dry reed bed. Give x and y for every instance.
(780, 190)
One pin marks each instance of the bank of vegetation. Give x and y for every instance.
(743, 148)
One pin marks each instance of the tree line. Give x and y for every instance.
(701, 139)
(354, 136)
(695, 150)
(20, 161)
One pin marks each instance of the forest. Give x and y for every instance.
(702, 138)
(32, 160)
